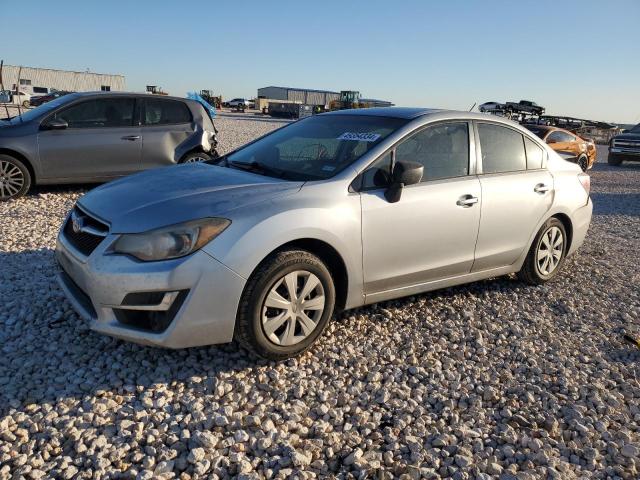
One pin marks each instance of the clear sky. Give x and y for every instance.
(578, 58)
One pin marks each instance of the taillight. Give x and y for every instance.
(585, 180)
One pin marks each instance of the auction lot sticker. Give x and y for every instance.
(359, 137)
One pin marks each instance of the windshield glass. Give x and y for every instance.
(315, 148)
(636, 129)
(28, 115)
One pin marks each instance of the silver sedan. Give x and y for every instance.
(331, 212)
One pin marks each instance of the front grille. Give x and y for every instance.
(87, 234)
(626, 143)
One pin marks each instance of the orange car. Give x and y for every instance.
(569, 145)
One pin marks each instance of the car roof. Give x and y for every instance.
(409, 113)
(126, 94)
(393, 112)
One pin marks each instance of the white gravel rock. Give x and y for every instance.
(494, 379)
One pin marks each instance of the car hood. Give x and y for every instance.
(170, 195)
(627, 136)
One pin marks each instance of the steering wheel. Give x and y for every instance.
(322, 151)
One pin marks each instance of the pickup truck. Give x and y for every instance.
(525, 106)
(625, 146)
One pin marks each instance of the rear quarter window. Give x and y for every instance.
(534, 154)
(165, 112)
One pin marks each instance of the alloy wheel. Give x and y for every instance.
(11, 179)
(550, 250)
(293, 307)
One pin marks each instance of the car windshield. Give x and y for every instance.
(635, 129)
(315, 148)
(538, 131)
(32, 113)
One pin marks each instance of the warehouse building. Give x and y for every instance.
(312, 97)
(43, 80)
(299, 95)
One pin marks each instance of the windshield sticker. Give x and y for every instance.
(328, 168)
(359, 137)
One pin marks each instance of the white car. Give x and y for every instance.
(491, 106)
(21, 98)
(238, 101)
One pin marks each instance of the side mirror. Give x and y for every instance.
(404, 174)
(56, 124)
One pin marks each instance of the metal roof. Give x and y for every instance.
(301, 89)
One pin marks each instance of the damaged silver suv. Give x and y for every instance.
(99, 136)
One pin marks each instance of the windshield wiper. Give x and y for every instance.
(256, 167)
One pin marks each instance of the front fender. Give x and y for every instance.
(253, 235)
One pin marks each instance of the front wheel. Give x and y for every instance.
(286, 305)
(583, 162)
(614, 160)
(546, 255)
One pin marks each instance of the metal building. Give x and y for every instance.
(302, 95)
(43, 80)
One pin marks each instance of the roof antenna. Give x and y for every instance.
(473, 106)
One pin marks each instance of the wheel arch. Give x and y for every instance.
(568, 226)
(23, 159)
(329, 256)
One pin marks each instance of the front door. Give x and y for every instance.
(102, 141)
(431, 232)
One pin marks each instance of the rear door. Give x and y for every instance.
(101, 141)
(517, 192)
(166, 123)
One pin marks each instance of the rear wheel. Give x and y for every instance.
(546, 255)
(614, 160)
(15, 178)
(286, 305)
(195, 157)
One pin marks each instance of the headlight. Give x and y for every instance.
(171, 242)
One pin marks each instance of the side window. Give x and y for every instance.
(502, 149)
(560, 137)
(165, 112)
(378, 175)
(99, 113)
(442, 149)
(534, 154)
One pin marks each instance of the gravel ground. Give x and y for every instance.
(490, 380)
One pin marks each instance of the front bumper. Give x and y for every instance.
(581, 219)
(98, 283)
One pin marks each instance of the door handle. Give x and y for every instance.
(541, 188)
(467, 201)
(131, 138)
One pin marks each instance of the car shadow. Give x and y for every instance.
(47, 352)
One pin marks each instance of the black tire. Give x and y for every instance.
(531, 271)
(249, 330)
(583, 162)
(614, 160)
(9, 189)
(195, 157)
